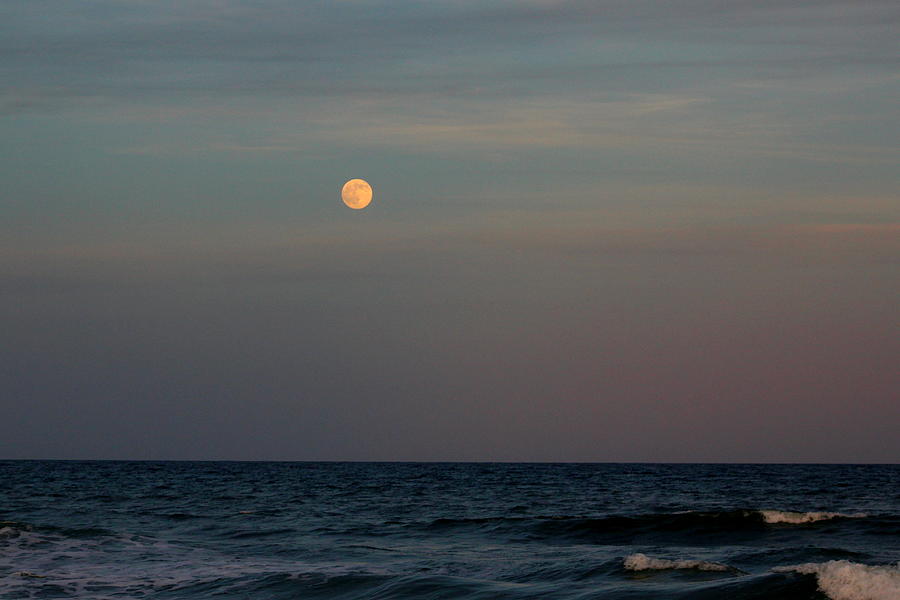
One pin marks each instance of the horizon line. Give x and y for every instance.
(483, 462)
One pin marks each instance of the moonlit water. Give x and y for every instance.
(403, 530)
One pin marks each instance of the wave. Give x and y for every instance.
(180, 516)
(845, 580)
(798, 552)
(259, 533)
(39, 563)
(642, 562)
(29, 574)
(802, 518)
(641, 527)
(21, 531)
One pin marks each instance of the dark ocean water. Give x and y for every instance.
(399, 530)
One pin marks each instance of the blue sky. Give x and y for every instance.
(600, 231)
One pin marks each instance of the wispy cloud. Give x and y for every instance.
(127, 49)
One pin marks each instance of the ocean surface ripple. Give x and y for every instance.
(185, 530)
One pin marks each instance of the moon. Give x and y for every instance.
(356, 193)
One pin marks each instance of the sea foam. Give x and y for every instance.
(798, 518)
(845, 580)
(642, 562)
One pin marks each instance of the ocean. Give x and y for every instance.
(279, 530)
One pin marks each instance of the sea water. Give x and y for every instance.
(273, 530)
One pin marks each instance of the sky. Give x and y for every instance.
(663, 231)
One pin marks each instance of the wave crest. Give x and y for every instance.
(845, 580)
(642, 562)
(647, 528)
(799, 518)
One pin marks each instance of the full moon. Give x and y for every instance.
(356, 193)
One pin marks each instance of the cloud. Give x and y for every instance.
(559, 121)
(717, 79)
(270, 254)
(125, 50)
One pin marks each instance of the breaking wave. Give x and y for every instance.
(642, 562)
(800, 518)
(845, 580)
(645, 528)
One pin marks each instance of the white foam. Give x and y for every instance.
(29, 574)
(642, 562)
(845, 580)
(20, 536)
(798, 518)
